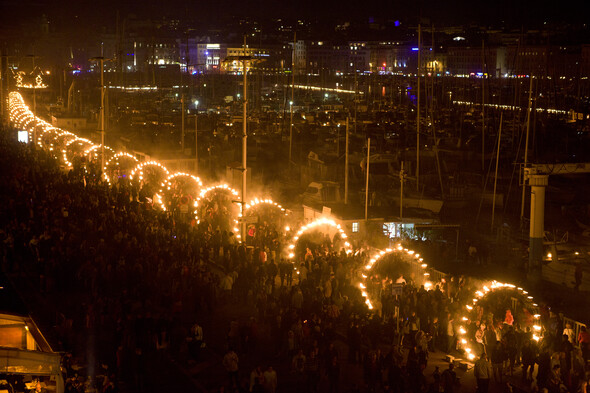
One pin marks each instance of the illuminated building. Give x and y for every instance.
(26, 354)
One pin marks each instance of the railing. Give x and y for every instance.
(576, 326)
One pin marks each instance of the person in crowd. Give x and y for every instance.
(231, 364)
(483, 372)
(584, 341)
(298, 367)
(498, 358)
(449, 379)
(333, 372)
(270, 380)
(196, 341)
(450, 333)
(257, 380)
(529, 356)
(569, 332)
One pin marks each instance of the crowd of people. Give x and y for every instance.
(128, 280)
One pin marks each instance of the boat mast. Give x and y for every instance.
(435, 145)
(496, 175)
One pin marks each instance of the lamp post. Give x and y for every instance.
(245, 58)
(346, 166)
(244, 138)
(34, 98)
(418, 113)
(290, 132)
(34, 86)
(292, 98)
(367, 182)
(182, 102)
(2, 56)
(4, 83)
(101, 59)
(196, 139)
(402, 177)
(182, 111)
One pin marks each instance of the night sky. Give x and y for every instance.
(513, 13)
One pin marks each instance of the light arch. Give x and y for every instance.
(116, 157)
(68, 146)
(47, 137)
(481, 293)
(411, 257)
(220, 187)
(250, 210)
(95, 147)
(174, 175)
(269, 202)
(139, 169)
(167, 183)
(312, 225)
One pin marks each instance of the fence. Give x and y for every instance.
(576, 326)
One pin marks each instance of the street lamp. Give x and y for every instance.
(33, 57)
(101, 59)
(244, 59)
(196, 140)
(290, 132)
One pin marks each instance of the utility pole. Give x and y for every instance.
(346, 166)
(526, 148)
(418, 114)
(367, 182)
(244, 137)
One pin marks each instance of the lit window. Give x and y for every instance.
(355, 227)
